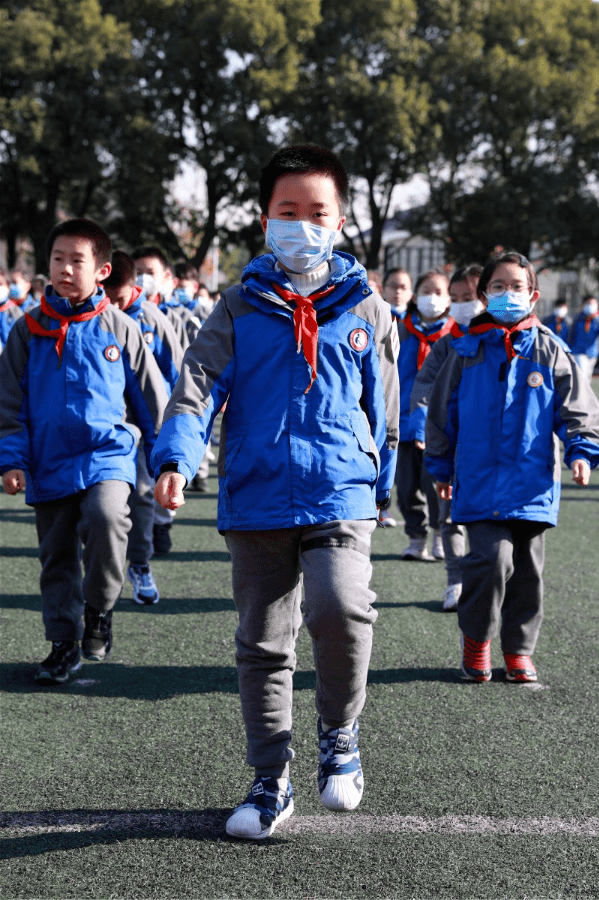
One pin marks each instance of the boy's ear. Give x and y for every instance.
(104, 272)
(263, 222)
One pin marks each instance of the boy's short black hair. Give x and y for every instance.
(123, 270)
(303, 159)
(396, 271)
(155, 252)
(186, 270)
(84, 228)
(510, 257)
(473, 270)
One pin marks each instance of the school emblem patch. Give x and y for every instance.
(148, 336)
(358, 339)
(535, 379)
(112, 353)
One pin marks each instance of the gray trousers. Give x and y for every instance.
(502, 580)
(333, 563)
(92, 527)
(141, 512)
(416, 494)
(453, 537)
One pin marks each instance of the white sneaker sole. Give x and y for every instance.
(245, 823)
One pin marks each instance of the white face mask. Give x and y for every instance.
(561, 312)
(464, 312)
(300, 246)
(431, 305)
(3, 292)
(590, 308)
(147, 283)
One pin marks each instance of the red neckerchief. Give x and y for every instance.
(7, 305)
(135, 292)
(559, 325)
(450, 327)
(60, 333)
(589, 319)
(507, 332)
(305, 324)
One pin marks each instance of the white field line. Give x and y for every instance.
(177, 823)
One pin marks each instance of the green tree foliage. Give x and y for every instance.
(60, 65)
(495, 101)
(360, 93)
(515, 125)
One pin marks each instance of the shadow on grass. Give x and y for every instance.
(201, 522)
(134, 682)
(51, 831)
(164, 682)
(432, 605)
(21, 517)
(20, 551)
(168, 606)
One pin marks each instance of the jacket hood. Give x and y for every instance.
(258, 277)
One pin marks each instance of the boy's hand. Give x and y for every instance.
(169, 490)
(14, 481)
(581, 472)
(444, 490)
(420, 445)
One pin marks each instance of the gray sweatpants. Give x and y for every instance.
(141, 512)
(416, 494)
(91, 526)
(502, 579)
(453, 537)
(333, 563)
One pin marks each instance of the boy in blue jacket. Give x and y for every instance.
(505, 393)
(72, 372)
(161, 338)
(304, 355)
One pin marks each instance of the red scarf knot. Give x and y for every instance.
(60, 334)
(508, 333)
(305, 325)
(450, 327)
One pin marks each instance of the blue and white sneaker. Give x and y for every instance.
(265, 807)
(145, 591)
(340, 776)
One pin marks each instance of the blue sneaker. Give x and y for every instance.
(340, 776)
(265, 807)
(145, 591)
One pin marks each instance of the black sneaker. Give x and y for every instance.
(162, 539)
(64, 659)
(97, 634)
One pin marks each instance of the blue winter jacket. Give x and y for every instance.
(584, 335)
(68, 424)
(288, 457)
(160, 336)
(408, 370)
(495, 424)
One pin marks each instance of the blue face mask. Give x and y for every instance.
(509, 307)
(300, 246)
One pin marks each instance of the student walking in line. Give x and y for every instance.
(584, 336)
(70, 372)
(304, 354)
(465, 305)
(506, 390)
(160, 337)
(427, 320)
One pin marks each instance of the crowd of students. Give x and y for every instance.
(333, 393)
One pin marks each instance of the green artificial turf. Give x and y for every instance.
(118, 785)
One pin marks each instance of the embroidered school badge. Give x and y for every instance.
(535, 379)
(112, 353)
(358, 339)
(148, 336)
